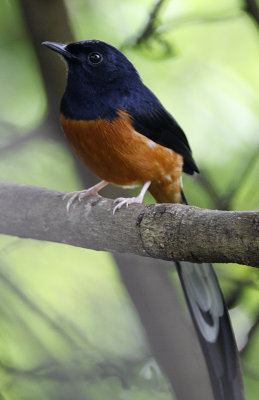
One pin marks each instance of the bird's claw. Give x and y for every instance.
(79, 195)
(125, 201)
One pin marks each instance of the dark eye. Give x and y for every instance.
(95, 58)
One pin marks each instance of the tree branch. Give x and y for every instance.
(165, 231)
(150, 25)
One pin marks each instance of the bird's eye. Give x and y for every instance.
(95, 58)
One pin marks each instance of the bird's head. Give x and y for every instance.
(95, 63)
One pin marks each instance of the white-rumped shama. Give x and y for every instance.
(121, 132)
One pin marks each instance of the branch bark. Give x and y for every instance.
(165, 231)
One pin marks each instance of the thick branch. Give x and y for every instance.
(166, 231)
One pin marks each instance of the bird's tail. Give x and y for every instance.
(212, 322)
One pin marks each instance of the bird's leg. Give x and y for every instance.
(92, 191)
(126, 201)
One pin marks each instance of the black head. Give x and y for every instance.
(95, 60)
(95, 69)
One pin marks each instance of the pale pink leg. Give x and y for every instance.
(126, 201)
(92, 191)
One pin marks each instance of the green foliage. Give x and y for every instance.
(67, 327)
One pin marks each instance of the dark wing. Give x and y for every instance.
(158, 125)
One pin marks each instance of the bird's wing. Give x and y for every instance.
(158, 125)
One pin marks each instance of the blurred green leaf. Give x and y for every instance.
(68, 328)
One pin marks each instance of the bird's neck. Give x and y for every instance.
(90, 100)
(87, 102)
(85, 107)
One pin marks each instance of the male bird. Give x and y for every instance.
(121, 132)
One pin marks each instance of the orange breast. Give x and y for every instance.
(115, 152)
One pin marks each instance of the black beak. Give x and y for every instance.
(59, 48)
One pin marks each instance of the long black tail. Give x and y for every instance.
(213, 326)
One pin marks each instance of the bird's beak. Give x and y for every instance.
(59, 48)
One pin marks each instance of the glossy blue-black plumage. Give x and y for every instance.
(100, 90)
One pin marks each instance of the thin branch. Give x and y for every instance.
(153, 30)
(150, 26)
(165, 231)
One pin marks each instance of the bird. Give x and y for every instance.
(120, 130)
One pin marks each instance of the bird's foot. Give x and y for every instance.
(79, 195)
(126, 201)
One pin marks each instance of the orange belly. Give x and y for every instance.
(115, 152)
